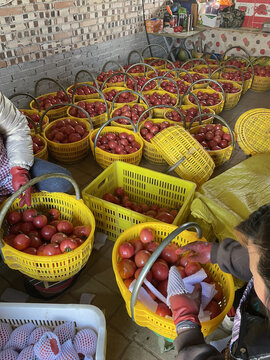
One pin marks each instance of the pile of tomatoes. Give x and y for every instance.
(134, 70)
(38, 144)
(228, 88)
(212, 137)
(140, 81)
(261, 70)
(135, 254)
(43, 234)
(195, 77)
(47, 101)
(206, 99)
(133, 112)
(114, 79)
(123, 98)
(155, 62)
(95, 108)
(66, 131)
(189, 114)
(155, 211)
(83, 90)
(160, 99)
(235, 75)
(34, 117)
(120, 144)
(156, 73)
(170, 87)
(150, 129)
(205, 70)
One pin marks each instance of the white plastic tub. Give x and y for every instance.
(55, 314)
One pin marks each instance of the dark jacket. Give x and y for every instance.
(254, 336)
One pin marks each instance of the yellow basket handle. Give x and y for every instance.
(157, 107)
(210, 54)
(180, 70)
(166, 79)
(223, 123)
(234, 67)
(236, 47)
(134, 52)
(150, 46)
(154, 257)
(131, 92)
(144, 66)
(88, 73)
(112, 62)
(54, 81)
(69, 104)
(25, 94)
(200, 60)
(32, 182)
(125, 79)
(108, 122)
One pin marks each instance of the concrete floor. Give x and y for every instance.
(125, 340)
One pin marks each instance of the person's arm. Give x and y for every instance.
(16, 132)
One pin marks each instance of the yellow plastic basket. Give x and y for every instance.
(84, 97)
(159, 113)
(253, 131)
(196, 86)
(118, 89)
(216, 108)
(71, 152)
(115, 123)
(231, 100)
(96, 120)
(143, 186)
(43, 154)
(219, 156)
(195, 123)
(146, 318)
(187, 157)
(247, 83)
(54, 113)
(198, 69)
(104, 158)
(59, 267)
(260, 84)
(32, 112)
(150, 153)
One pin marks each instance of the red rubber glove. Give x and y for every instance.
(20, 177)
(200, 251)
(186, 307)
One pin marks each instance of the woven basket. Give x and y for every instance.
(202, 85)
(198, 69)
(260, 83)
(119, 89)
(231, 99)
(83, 97)
(115, 123)
(252, 131)
(159, 112)
(196, 123)
(216, 108)
(186, 156)
(223, 155)
(32, 112)
(43, 154)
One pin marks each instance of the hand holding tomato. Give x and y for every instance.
(200, 251)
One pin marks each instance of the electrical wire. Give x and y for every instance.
(147, 36)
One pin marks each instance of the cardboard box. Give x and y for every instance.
(257, 12)
(211, 20)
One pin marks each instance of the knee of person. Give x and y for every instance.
(55, 185)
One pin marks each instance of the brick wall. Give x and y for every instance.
(58, 38)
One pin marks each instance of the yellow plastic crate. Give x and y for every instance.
(141, 185)
(146, 318)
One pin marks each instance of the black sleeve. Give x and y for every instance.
(190, 345)
(232, 258)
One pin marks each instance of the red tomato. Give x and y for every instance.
(227, 137)
(54, 223)
(21, 242)
(65, 226)
(214, 309)
(160, 271)
(82, 231)
(182, 272)
(40, 221)
(51, 250)
(184, 260)
(14, 217)
(192, 267)
(152, 246)
(68, 245)
(47, 232)
(58, 238)
(35, 241)
(126, 268)
(169, 255)
(141, 258)
(31, 251)
(53, 214)
(163, 310)
(8, 239)
(119, 191)
(127, 282)
(147, 235)
(149, 275)
(137, 244)
(27, 227)
(162, 287)
(29, 214)
(16, 228)
(40, 250)
(126, 250)
(165, 217)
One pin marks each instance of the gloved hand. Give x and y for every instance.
(200, 251)
(186, 307)
(20, 176)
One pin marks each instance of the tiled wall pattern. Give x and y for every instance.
(35, 29)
